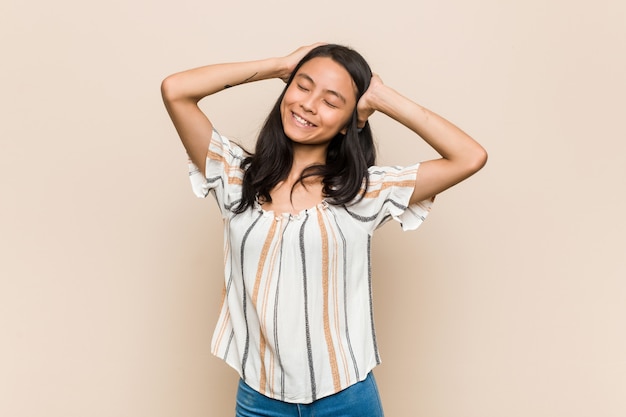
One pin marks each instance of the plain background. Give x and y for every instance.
(509, 301)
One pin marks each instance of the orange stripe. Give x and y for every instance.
(255, 296)
(218, 341)
(337, 312)
(227, 167)
(265, 304)
(262, 258)
(376, 192)
(263, 381)
(270, 274)
(327, 335)
(235, 180)
(395, 173)
(216, 157)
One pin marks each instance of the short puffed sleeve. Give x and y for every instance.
(223, 174)
(387, 197)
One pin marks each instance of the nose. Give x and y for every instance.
(308, 105)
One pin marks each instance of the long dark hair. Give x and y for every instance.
(348, 155)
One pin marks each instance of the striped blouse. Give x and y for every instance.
(296, 319)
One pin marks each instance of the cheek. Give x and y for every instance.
(291, 94)
(284, 103)
(285, 100)
(342, 119)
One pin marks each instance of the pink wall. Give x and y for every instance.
(510, 300)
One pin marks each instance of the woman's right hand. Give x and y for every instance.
(367, 103)
(182, 91)
(290, 61)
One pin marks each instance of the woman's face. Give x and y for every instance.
(318, 103)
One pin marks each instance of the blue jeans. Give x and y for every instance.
(358, 400)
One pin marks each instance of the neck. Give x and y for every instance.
(305, 156)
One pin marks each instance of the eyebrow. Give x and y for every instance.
(333, 92)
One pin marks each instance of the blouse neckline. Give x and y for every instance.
(322, 205)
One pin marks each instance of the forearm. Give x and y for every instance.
(194, 84)
(443, 136)
(182, 91)
(461, 156)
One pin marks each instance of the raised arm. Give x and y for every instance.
(182, 91)
(461, 156)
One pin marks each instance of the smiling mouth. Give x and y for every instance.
(301, 121)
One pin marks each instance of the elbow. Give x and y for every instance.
(168, 89)
(173, 89)
(481, 158)
(477, 160)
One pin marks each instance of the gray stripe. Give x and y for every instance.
(216, 178)
(280, 364)
(230, 261)
(306, 310)
(369, 281)
(395, 203)
(228, 286)
(373, 217)
(245, 301)
(230, 340)
(231, 205)
(384, 220)
(360, 218)
(383, 172)
(345, 294)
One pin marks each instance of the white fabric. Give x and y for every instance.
(296, 321)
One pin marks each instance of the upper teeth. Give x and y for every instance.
(301, 120)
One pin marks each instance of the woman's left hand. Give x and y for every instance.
(366, 105)
(291, 61)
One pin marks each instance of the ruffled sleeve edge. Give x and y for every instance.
(199, 184)
(220, 153)
(410, 216)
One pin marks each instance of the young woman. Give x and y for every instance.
(296, 321)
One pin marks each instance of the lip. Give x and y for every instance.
(295, 116)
